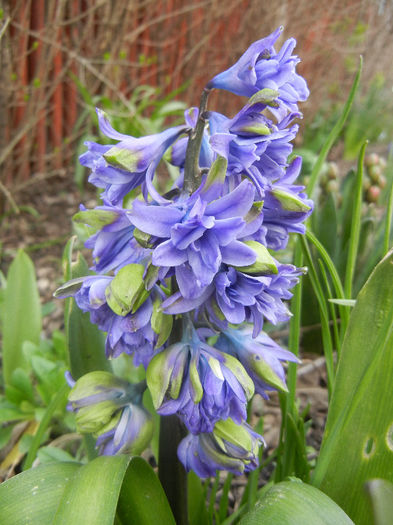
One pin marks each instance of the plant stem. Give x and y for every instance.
(191, 167)
(171, 473)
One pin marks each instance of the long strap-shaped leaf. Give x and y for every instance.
(295, 503)
(358, 440)
(21, 315)
(107, 488)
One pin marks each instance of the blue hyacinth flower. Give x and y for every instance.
(111, 409)
(198, 383)
(261, 67)
(228, 447)
(130, 163)
(261, 357)
(194, 236)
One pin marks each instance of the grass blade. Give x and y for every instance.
(389, 210)
(333, 135)
(338, 287)
(355, 228)
(326, 335)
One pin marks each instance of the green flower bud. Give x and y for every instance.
(264, 264)
(96, 397)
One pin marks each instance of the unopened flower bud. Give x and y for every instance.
(366, 184)
(373, 194)
(111, 409)
(332, 170)
(382, 181)
(375, 172)
(371, 159)
(333, 186)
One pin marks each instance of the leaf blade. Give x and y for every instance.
(22, 313)
(361, 404)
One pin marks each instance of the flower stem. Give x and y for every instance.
(171, 473)
(191, 167)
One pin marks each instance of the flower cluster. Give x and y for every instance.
(185, 280)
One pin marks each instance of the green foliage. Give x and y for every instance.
(125, 490)
(85, 342)
(295, 503)
(361, 404)
(370, 119)
(21, 314)
(381, 496)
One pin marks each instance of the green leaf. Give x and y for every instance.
(57, 400)
(326, 224)
(343, 302)
(22, 314)
(295, 503)
(85, 341)
(93, 492)
(142, 500)
(355, 226)
(20, 387)
(361, 404)
(381, 495)
(31, 498)
(11, 412)
(197, 511)
(51, 454)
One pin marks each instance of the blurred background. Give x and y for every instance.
(144, 61)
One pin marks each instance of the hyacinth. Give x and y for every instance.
(199, 383)
(262, 67)
(228, 447)
(110, 408)
(185, 279)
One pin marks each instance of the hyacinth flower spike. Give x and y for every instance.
(179, 274)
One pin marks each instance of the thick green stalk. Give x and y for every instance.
(171, 472)
(191, 167)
